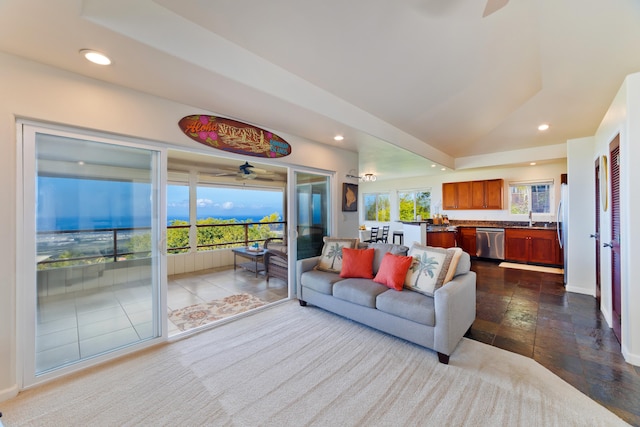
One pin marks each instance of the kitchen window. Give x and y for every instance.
(525, 197)
(377, 207)
(414, 203)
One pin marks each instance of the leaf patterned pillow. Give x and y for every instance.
(331, 258)
(429, 268)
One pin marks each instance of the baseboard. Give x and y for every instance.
(633, 359)
(580, 290)
(8, 393)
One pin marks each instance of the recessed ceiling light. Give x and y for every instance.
(95, 57)
(532, 163)
(443, 169)
(433, 166)
(543, 126)
(338, 137)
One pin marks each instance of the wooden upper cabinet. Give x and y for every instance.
(494, 194)
(449, 195)
(488, 194)
(464, 195)
(478, 192)
(456, 195)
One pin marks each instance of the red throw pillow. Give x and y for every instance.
(357, 263)
(393, 270)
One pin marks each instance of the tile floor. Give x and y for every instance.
(216, 283)
(80, 324)
(531, 314)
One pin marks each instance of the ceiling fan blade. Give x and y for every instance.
(493, 6)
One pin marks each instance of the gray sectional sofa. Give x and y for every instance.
(437, 322)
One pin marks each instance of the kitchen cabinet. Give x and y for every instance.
(441, 239)
(467, 240)
(487, 194)
(532, 246)
(456, 195)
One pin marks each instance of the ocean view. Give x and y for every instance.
(68, 224)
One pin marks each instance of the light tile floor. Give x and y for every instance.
(216, 283)
(81, 324)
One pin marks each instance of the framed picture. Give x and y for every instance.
(349, 197)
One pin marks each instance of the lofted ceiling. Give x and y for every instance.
(409, 83)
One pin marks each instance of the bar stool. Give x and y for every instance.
(400, 234)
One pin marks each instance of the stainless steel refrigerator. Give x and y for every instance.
(562, 225)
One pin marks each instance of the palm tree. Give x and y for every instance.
(334, 252)
(423, 264)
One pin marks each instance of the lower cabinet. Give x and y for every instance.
(534, 246)
(467, 240)
(441, 239)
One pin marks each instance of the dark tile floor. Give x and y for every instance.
(530, 313)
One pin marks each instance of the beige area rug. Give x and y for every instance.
(293, 366)
(528, 267)
(200, 314)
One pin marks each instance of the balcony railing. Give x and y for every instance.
(73, 247)
(248, 234)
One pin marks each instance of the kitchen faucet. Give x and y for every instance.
(530, 218)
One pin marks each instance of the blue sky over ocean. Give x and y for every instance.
(224, 203)
(71, 204)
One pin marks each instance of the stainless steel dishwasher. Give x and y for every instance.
(490, 243)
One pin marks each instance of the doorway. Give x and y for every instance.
(92, 264)
(312, 218)
(616, 257)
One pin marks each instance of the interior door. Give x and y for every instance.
(92, 260)
(312, 216)
(614, 162)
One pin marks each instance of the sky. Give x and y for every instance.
(224, 202)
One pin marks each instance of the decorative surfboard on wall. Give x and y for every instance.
(236, 137)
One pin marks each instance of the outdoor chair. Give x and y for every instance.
(276, 260)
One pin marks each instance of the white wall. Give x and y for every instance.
(623, 118)
(33, 91)
(580, 248)
(547, 171)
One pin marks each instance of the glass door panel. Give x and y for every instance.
(312, 218)
(97, 263)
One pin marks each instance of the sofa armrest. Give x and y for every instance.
(455, 307)
(302, 266)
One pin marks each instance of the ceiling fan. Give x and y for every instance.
(247, 171)
(493, 6)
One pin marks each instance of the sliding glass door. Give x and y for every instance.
(312, 205)
(92, 227)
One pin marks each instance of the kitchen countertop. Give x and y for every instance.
(455, 224)
(504, 224)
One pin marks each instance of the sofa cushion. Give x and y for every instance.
(408, 305)
(357, 263)
(393, 270)
(319, 281)
(331, 257)
(381, 249)
(430, 268)
(359, 291)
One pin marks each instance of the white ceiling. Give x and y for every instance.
(433, 77)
